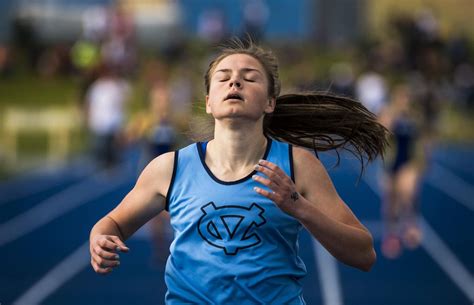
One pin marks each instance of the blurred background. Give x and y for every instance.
(92, 90)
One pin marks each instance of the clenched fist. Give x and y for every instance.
(104, 249)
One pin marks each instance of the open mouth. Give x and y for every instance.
(233, 96)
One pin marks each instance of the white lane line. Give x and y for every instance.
(456, 162)
(375, 227)
(447, 260)
(328, 275)
(40, 181)
(441, 254)
(32, 189)
(58, 205)
(452, 185)
(56, 277)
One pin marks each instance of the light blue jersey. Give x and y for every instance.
(231, 245)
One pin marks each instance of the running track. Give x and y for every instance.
(46, 216)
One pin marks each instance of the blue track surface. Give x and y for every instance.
(417, 277)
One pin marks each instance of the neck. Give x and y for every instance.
(235, 147)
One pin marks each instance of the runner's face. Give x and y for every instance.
(239, 89)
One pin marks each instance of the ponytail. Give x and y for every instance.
(322, 121)
(316, 120)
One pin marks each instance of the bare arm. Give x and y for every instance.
(316, 204)
(143, 202)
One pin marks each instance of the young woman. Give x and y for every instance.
(238, 201)
(401, 186)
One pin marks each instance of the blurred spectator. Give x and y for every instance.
(427, 25)
(25, 39)
(85, 52)
(95, 23)
(458, 49)
(160, 139)
(121, 23)
(181, 94)
(5, 61)
(211, 26)
(400, 201)
(85, 56)
(255, 17)
(55, 60)
(371, 90)
(107, 40)
(161, 136)
(106, 99)
(118, 49)
(418, 34)
(464, 84)
(430, 95)
(119, 53)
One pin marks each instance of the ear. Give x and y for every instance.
(208, 106)
(271, 105)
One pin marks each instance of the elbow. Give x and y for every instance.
(369, 261)
(370, 257)
(363, 261)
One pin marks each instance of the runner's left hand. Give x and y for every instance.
(283, 192)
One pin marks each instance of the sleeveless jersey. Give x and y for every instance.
(231, 245)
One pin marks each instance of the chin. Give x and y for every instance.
(238, 117)
(236, 112)
(229, 112)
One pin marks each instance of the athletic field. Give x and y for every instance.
(46, 216)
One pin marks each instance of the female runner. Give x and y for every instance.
(238, 201)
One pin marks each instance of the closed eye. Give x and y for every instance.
(249, 80)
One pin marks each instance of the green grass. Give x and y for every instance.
(26, 90)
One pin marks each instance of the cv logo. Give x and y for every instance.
(231, 227)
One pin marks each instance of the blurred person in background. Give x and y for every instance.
(371, 87)
(255, 17)
(85, 52)
(211, 26)
(104, 108)
(400, 205)
(55, 60)
(153, 126)
(181, 94)
(6, 68)
(118, 48)
(432, 92)
(95, 23)
(153, 129)
(160, 139)
(162, 136)
(107, 38)
(25, 39)
(464, 85)
(238, 201)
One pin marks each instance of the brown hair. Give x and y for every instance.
(317, 120)
(266, 58)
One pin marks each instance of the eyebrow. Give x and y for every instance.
(243, 69)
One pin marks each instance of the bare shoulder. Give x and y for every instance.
(305, 161)
(157, 174)
(313, 182)
(308, 170)
(163, 162)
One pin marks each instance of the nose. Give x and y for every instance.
(235, 83)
